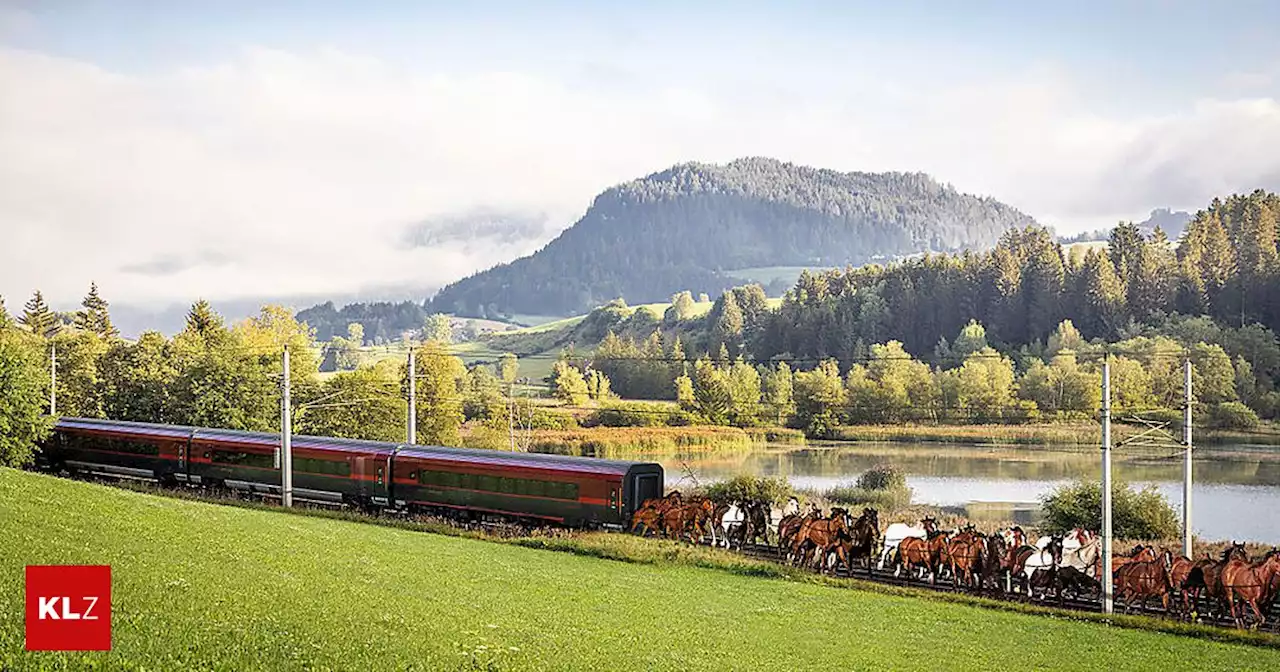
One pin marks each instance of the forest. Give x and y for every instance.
(685, 227)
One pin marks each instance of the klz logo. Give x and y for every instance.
(69, 608)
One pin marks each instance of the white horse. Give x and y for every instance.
(791, 509)
(1043, 557)
(1071, 541)
(732, 519)
(895, 533)
(1084, 558)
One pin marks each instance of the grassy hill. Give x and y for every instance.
(202, 586)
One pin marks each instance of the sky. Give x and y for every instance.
(238, 150)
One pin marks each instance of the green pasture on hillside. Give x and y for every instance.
(203, 586)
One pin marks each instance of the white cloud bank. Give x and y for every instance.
(279, 174)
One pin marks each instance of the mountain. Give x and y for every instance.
(1172, 223)
(688, 226)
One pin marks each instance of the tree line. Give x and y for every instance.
(216, 375)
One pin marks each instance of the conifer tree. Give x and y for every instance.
(38, 318)
(94, 315)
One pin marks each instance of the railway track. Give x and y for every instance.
(758, 552)
(773, 554)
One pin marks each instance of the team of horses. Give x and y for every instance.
(1004, 561)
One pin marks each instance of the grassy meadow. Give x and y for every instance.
(204, 586)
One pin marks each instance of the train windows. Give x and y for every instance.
(313, 465)
(243, 459)
(110, 444)
(507, 485)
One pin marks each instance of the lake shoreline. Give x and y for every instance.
(1081, 434)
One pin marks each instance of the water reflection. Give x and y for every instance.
(1236, 490)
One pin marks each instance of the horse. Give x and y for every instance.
(1027, 559)
(723, 511)
(924, 553)
(790, 525)
(895, 533)
(1061, 579)
(1209, 575)
(965, 554)
(994, 558)
(1071, 540)
(862, 539)
(1188, 581)
(1084, 558)
(754, 525)
(1138, 553)
(650, 513)
(689, 518)
(1144, 579)
(823, 535)
(1249, 582)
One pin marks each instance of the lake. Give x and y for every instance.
(1236, 494)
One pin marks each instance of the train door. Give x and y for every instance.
(645, 486)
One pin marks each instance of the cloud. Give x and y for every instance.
(276, 173)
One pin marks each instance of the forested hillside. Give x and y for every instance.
(682, 228)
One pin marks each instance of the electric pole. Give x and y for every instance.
(1186, 460)
(53, 381)
(286, 431)
(413, 400)
(511, 410)
(1105, 570)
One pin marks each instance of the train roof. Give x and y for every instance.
(476, 456)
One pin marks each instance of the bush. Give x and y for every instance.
(544, 419)
(637, 414)
(1232, 415)
(1135, 514)
(889, 499)
(750, 488)
(882, 477)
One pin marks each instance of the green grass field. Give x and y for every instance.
(203, 586)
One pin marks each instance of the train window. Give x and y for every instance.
(467, 481)
(313, 465)
(536, 488)
(507, 485)
(613, 498)
(379, 475)
(488, 483)
(243, 459)
(111, 444)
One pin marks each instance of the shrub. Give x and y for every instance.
(1135, 514)
(1232, 415)
(882, 477)
(888, 499)
(754, 488)
(637, 414)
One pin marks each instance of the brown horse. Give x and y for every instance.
(1187, 576)
(690, 519)
(995, 562)
(1250, 583)
(1145, 579)
(821, 536)
(790, 525)
(648, 518)
(863, 539)
(1210, 575)
(928, 553)
(965, 553)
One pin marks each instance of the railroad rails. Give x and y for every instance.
(886, 576)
